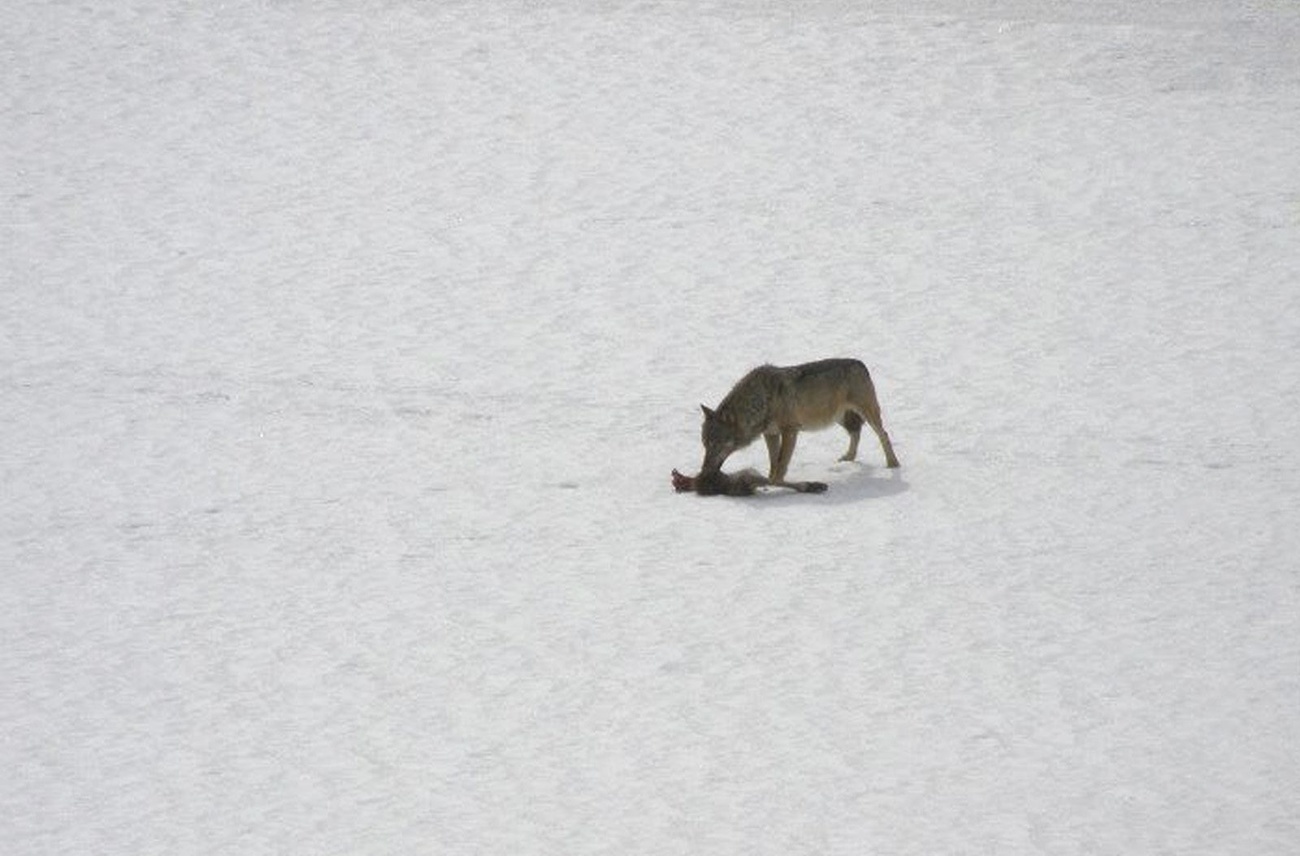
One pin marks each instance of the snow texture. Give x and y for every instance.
(347, 347)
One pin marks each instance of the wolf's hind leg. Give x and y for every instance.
(872, 416)
(852, 422)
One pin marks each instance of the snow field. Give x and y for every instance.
(348, 347)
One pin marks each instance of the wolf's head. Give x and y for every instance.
(720, 438)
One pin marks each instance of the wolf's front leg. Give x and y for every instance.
(773, 441)
(788, 436)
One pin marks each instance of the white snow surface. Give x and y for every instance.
(347, 347)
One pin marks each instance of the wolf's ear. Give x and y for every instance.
(708, 414)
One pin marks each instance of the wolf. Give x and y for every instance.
(778, 402)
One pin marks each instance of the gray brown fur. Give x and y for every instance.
(777, 402)
(743, 483)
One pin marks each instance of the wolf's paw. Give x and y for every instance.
(813, 487)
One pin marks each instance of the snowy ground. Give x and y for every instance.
(347, 347)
